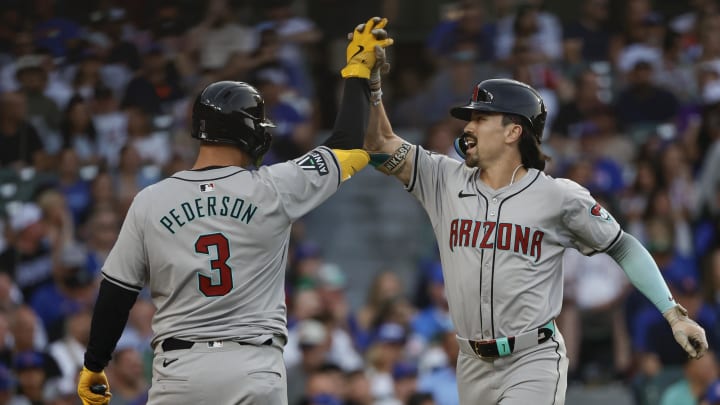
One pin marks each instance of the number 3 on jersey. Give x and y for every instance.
(220, 264)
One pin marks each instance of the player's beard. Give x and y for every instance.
(472, 160)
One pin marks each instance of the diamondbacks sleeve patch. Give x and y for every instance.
(598, 211)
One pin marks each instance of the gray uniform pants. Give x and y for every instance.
(233, 374)
(537, 376)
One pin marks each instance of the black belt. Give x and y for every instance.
(493, 347)
(171, 344)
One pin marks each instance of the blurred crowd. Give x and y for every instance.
(95, 97)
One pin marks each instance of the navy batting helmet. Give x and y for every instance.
(232, 113)
(508, 97)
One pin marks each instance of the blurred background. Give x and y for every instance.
(95, 98)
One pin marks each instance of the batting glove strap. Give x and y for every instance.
(689, 335)
(86, 380)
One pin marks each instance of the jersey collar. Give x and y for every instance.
(518, 185)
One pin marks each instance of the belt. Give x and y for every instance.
(171, 344)
(501, 347)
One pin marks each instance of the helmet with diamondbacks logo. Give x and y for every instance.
(509, 97)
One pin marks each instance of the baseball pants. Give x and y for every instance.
(231, 374)
(537, 375)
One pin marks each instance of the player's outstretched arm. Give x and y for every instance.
(388, 152)
(351, 122)
(644, 274)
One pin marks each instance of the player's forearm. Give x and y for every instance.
(388, 152)
(352, 118)
(109, 318)
(642, 271)
(379, 136)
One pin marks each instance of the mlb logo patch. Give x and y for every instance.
(207, 187)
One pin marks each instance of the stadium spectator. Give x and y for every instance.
(592, 321)
(72, 186)
(641, 104)
(218, 46)
(72, 291)
(540, 29)
(20, 144)
(385, 287)
(127, 375)
(325, 386)
(295, 34)
(587, 38)
(28, 257)
(314, 341)
(439, 379)
(155, 86)
(68, 351)
(385, 351)
(464, 24)
(405, 377)
(435, 319)
(698, 376)
(78, 131)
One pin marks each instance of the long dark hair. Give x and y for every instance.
(530, 154)
(66, 127)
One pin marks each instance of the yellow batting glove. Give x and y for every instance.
(93, 388)
(351, 161)
(361, 49)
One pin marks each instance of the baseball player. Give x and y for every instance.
(211, 243)
(502, 225)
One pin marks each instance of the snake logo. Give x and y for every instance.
(598, 211)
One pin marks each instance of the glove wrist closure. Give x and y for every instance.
(355, 70)
(675, 314)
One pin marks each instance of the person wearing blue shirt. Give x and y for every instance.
(441, 381)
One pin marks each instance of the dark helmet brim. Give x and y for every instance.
(465, 112)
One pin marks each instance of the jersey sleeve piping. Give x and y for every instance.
(337, 164)
(413, 179)
(121, 284)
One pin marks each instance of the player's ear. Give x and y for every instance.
(513, 132)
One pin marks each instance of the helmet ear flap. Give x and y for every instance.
(460, 146)
(264, 139)
(538, 124)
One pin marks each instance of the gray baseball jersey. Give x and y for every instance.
(212, 246)
(502, 249)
